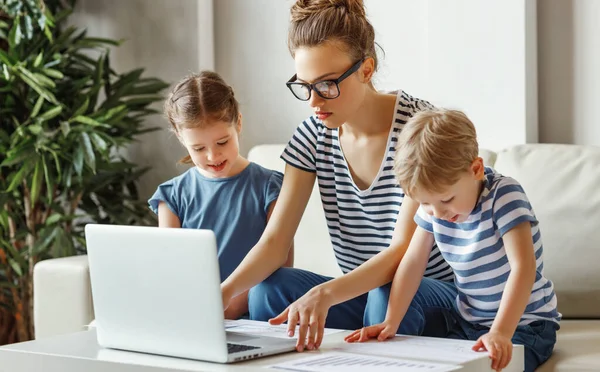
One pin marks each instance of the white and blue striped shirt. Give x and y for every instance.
(475, 250)
(360, 222)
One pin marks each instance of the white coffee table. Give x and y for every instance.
(80, 352)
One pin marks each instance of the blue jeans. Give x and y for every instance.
(538, 338)
(425, 316)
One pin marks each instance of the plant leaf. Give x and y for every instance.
(49, 181)
(83, 108)
(78, 159)
(37, 107)
(53, 73)
(30, 79)
(4, 57)
(18, 155)
(15, 35)
(50, 114)
(15, 266)
(38, 59)
(98, 141)
(88, 121)
(21, 174)
(44, 81)
(36, 182)
(90, 157)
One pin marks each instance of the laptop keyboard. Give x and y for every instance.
(236, 348)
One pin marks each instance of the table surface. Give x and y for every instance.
(81, 352)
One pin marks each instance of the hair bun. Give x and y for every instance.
(303, 9)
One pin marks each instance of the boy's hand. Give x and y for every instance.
(499, 347)
(380, 331)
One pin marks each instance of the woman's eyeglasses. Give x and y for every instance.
(327, 89)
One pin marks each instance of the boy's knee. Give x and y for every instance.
(377, 303)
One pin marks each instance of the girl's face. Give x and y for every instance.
(329, 61)
(214, 148)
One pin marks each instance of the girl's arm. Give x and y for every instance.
(166, 218)
(273, 248)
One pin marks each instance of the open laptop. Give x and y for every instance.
(157, 290)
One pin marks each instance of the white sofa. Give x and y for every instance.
(562, 182)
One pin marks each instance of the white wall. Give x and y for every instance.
(251, 54)
(464, 54)
(169, 39)
(569, 71)
(568, 60)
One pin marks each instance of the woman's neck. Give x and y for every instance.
(373, 116)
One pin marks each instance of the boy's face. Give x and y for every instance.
(214, 149)
(456, 202)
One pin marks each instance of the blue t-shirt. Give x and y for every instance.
(234, 208)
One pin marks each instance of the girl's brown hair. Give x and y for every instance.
(199, 100)
(314, 22)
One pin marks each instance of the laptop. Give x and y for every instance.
(158, 291)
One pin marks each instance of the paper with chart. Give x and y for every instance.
(441, 350)
(264, 329)
(338, 362)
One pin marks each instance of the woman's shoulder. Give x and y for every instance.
(314, 124)
(409, 104)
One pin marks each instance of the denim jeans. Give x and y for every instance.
(538, 338)
(425, 316)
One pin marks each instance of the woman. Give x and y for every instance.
(349, 147)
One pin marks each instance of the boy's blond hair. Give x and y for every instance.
(433, 149)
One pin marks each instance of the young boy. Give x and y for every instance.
(486, 230)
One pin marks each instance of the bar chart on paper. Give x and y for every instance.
(339, 361)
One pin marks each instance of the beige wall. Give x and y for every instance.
(569, 71)
(169, 39)
(172, 38)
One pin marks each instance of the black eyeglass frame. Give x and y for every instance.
(290, 83)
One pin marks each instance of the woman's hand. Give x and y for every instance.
(381, 332)
(309, 312)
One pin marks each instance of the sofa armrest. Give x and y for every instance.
(62, 299)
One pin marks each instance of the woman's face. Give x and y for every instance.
(329, 61)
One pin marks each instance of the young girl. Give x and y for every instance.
(223, 191)
(348, 145)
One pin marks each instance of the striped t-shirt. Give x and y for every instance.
(360, 222)
(475, 250)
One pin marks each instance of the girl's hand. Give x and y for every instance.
(309, 312)
(225, 293)
(499, 347)
(381, 332)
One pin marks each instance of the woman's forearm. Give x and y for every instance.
(380, 269)
(374, 273)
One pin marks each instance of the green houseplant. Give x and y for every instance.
(65, 117)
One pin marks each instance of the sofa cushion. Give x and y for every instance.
(576, 347)
(563, 185)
